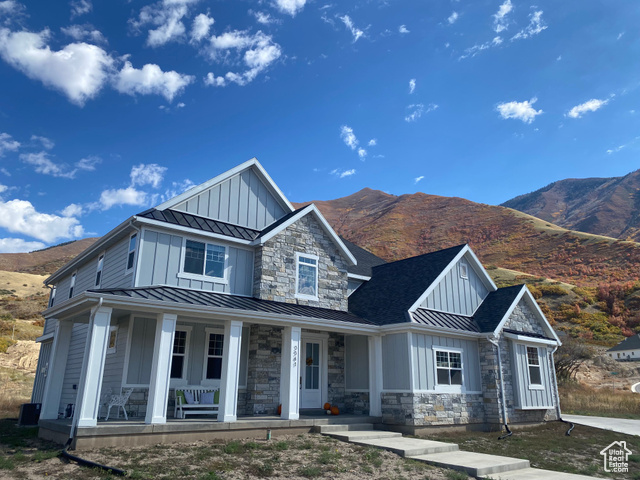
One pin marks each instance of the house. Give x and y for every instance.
(228, 286)
(626, 350)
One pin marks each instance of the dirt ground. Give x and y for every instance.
(597, 373)
(22, 356)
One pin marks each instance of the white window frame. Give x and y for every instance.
(72, 283)
(464, 270)
(176, 382)
(113, 330)
(534, 386)
(317, 266)
(99, 270)
(211, 381)
(203, 278)
(52, 297)
(447, 388)
(128, 270)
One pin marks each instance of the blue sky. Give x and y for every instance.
(110, 107)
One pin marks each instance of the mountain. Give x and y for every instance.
(604, 206)
(395, 227)
(46, 261)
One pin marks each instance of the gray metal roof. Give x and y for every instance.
(221, 300)
(629, 343)
(434, 318)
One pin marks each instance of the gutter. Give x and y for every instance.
(494, 341)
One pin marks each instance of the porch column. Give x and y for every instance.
(228, 407)
(375, 376)
(290, 373)
(161, 369)
(95, 350)
(57, 367)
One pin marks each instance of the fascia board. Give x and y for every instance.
(355, 276)
(525, 339)
(484, 276)
(420, 328)
(189, 230)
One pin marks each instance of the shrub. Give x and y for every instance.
(5, 343)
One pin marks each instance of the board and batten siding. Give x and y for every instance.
(454, 294)
(74, 365)
(525, 397)
(114, 362)
(356, 362)
(395, 362)
(42, 371)
(241, 200)
(160, 265)
(423, 347)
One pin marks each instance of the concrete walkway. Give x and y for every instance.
(446, 455)
(620, 425)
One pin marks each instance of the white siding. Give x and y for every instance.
(356, 361)
(395, 362)
(242, 200)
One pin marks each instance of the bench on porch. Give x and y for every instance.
(196, 401)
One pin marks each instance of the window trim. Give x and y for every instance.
(127, 270)
(72, 283)
(464, 270)
(112, 328)
(52, 296)
(203, 278)
(212, 381)
(175, 382)
(533, 386)
(99, 270)
(444, 387)
(305, 296)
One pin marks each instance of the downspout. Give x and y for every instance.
(502, 394)
(555, 386)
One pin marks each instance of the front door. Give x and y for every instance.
(311, 381)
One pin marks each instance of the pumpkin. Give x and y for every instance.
(327, 406)
(335, 410)
(280, 409)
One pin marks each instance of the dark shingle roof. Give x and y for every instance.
(366, 259)
(434, 318)
(629, 343)
(394, 287)
(221, 300)
(200, 223)
(280, 221)
(494, 307)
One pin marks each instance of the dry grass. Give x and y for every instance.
(16, 390)
(580, 399)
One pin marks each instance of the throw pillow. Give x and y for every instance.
(206, 398)
(189, 397)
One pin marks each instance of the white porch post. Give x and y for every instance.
(161, 369)
(375, 376)
(95, 350)
(290, 373)
(227, 409)
(55, 373)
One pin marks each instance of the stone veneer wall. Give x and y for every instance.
(356, 403)
(335, 361)
(275, 266)
(262, 395)
(428, 409)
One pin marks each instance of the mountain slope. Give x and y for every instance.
(604, 206)
(44, 262)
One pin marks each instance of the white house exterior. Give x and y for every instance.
(626, 351)
(227, 286)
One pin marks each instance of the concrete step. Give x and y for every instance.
(356, 436)
(474, 464)
(538, 474)
(346, 427)
(408, 447)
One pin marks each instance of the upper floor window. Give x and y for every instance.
(72, 284)
(307, 276)
(131, 256)
(448, 368)
(52, 298)
(533, 361)
(204, 259)
(99, 270)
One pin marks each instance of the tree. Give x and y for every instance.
(570, 356)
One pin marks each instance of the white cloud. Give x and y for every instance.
(11, 8)
(473, 51)
(79, 70)
(88, 163)
(214, 81)
(291, 7)
(150, 174)
(348, 137)
(80, 7)
(201, 26)
(6, 172)
(403, 29)
(356, 32)
(44, 165)
(588, 106)
(417, 179)
(121, 196)
(452, 18)
(166, 16)
(72, 210)
(20, 216)
(500, 20)
(84, 32)
(8, 144)
(620, 35)
(342, 173)
(18, 245)
(263, 17)
(181, 105)
(362, 153)
(536, 25)
(150, 79)
(519, 110)
(176, 189)
(416, 110)
(373, 142)
(412, 85)
(44, 141)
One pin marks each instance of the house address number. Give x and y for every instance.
(295, 355)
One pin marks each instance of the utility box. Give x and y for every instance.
(29, 414)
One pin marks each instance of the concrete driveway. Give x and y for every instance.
(620, 425)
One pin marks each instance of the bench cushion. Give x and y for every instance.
(180, 397)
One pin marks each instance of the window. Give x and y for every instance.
(215, 343)
(448, 368)
(307, 276)
(52, 298)
(204, 259)
(179, 358)
(72, 284)
(132, 251)
(533, 360)
(464, 270)
(99, 270)
(113, 337)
